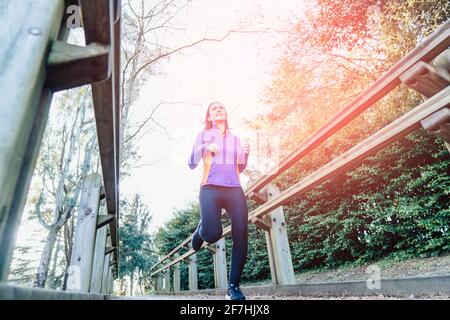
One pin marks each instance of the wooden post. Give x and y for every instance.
(28, 28)
(176, 275)
(220, 265)
(106, 262)
(193, 284)
(167, 279)
(280, 259)
(83, 245)
(273, 270)
(110, 282)
(99, 260)
(159, 283)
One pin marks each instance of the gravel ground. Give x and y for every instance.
(435, 266)
(389, 269)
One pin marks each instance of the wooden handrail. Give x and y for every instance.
(392, 132)
(430, 48)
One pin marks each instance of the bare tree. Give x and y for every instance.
(145, 26)
(64, 194)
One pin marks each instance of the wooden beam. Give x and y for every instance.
(103, 220)
(430, 47)
(167, 256)
(98, 21)
(176, 275)
(99, 261)
(261, 224)
(426, 78)
(210, 248)
(106, 268)
(102, 193)
(70, 66)
(439, 125)
(258, 197)
(28, 27)
(167, 280)
(81, 260)
(220, 265)
(159, 283)
(109, 250)
(277, 242)
(193, 278)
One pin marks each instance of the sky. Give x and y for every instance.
(234, 71)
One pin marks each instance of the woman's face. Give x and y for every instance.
(217, 112)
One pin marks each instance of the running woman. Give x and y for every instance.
(223, 160)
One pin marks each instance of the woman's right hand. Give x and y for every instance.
(212, 147)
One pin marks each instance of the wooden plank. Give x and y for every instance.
(273, 268)
(261, 224)
(439, 125)
(193, 281)
(159, 283)
(28, 26)
(426, 78)
(106, 268)
(109, 250)
(220, 265)
(258, 197)
(98, 27)
(111, 282)
(278, 243)
(99, 261)
(167, 256)
(102, 193)
(399, 128)
(70, 66)
(103, 220)
(10, 219)
(84, 239)
(167, 280)
(431, 46)
(176, 275)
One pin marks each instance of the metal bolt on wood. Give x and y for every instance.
(34, 31)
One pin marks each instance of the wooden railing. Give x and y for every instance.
(35, 62)
(416, 71)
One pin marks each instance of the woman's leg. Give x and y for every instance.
(210, 228)
(236, 206)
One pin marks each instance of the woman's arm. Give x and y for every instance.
(197, 151)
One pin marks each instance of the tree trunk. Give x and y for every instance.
(41, 275)
(51, 277)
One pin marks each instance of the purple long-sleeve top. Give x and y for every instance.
(223, 167)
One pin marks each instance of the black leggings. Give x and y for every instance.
(212, 200)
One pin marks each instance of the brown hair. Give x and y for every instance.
(208, 124)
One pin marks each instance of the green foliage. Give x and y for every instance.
(395, 203)
(136, 252)
(383, 207)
